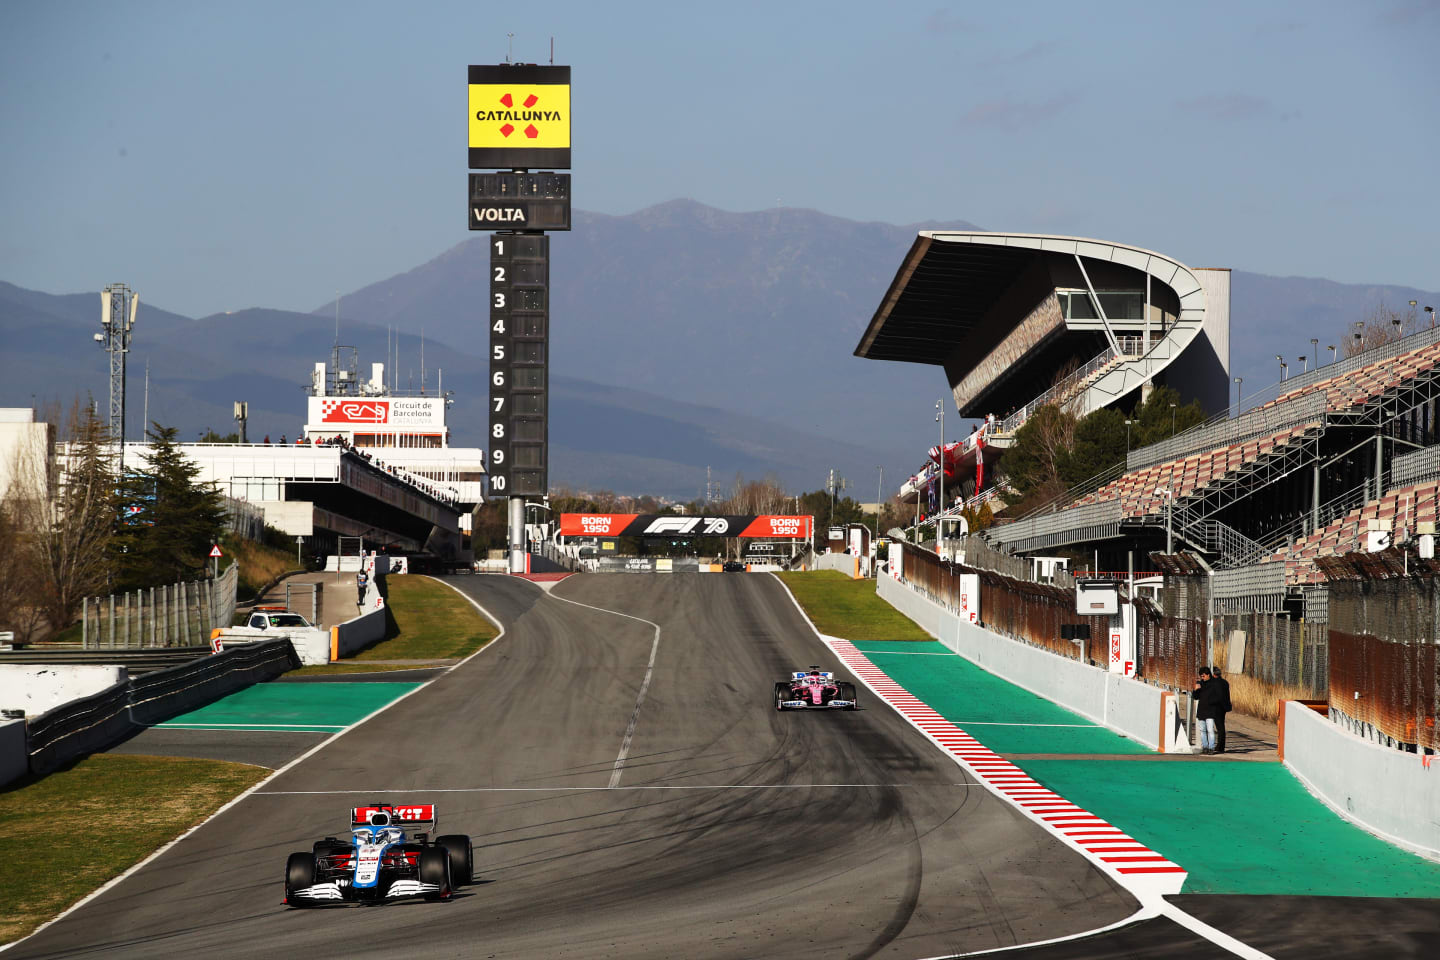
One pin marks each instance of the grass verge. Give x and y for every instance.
(842, 607)
(68, 833)
(350, 666)
(259, 563)
(426, 620)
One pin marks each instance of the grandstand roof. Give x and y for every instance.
(949, 282)
(996, 310)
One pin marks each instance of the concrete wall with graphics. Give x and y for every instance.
(1126, 706)
(14, 755)
(36, 688)
(1390, 793)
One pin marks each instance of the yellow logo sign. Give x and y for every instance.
(520, 115)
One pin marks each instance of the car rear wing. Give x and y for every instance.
(401, 815)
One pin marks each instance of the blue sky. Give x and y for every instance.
(268, 154)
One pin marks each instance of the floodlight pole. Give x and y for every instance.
(118, 305)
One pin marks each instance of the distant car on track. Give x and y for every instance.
(381, 861)
(815, 689)
(734, 566)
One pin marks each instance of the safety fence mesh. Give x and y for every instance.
(1019, 609)
(1278, 650)
(1384, 671)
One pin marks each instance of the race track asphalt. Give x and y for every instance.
(733, 831)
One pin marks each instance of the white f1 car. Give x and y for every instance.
(381, 861)
(815, 689)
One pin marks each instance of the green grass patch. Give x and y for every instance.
(68, 833)
(842, 607)
(426, 620)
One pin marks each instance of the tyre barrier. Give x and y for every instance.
(93, 723)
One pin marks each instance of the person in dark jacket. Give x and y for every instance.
(1207, 701)
(1224, 708)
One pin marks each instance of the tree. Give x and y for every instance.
(168, 519)
(210, 436)
(1099, 445)
(1381, 325)
(67, 527)
(1035, 463)
(1155, 421)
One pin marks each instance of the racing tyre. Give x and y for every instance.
(434, 868)
(462, 857)
(782, 693)
(847, 692)
(299, 873)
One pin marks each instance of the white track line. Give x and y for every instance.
(1077, 828)
(644, 684)
(275, 773)
(651, 786)
(259, 727)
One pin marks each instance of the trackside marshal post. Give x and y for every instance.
(519, 119)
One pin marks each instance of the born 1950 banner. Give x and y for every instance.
(654, 525)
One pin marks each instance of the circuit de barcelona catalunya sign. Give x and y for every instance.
(653, 525)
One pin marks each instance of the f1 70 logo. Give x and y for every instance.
(686, 526)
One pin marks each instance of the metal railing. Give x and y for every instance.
(1416, 467)
(173, 615)
(1047, 527)
(1216, 434)
(1065, 388)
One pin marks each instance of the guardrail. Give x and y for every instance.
(92, 723)
(137, 662)
(1051, 529)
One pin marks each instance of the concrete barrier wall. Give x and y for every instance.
(14, 757)
(36, 688)
(1387, 792)
(842, 562)
(352, 636)
(1128, 707)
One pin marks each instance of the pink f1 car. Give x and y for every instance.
(815, 689)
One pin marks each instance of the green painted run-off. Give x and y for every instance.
(1238, 827)
(320, 707)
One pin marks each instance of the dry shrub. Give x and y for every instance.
(1254, 697)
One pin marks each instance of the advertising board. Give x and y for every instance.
(398, 412)
(519, 116)
(653, 525)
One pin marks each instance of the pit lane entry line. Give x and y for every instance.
(644, 684)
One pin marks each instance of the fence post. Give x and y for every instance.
(184, 613)
(112, 620)
(84, 623)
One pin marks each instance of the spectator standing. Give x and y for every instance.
(267, 439)
(283, 441)
(1206, 695)
(1223, 707)
(362, 580)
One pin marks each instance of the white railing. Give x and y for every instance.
(174, 615)
(1063, 389)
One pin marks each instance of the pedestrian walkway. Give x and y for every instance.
(1236, 827)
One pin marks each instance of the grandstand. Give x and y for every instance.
(1090, 323)
(1305, 471)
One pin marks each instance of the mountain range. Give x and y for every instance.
(683, 337)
